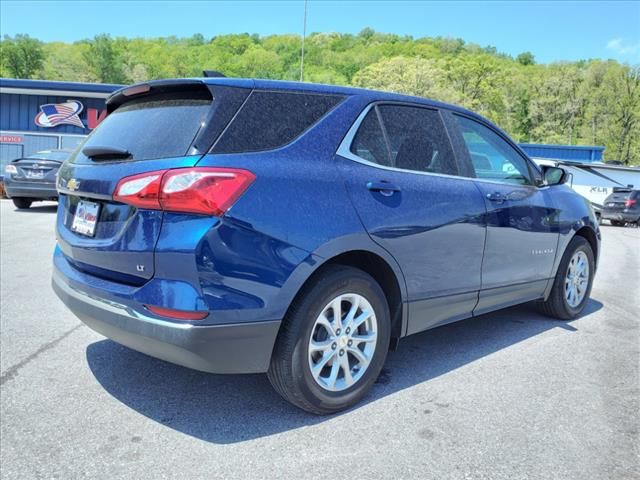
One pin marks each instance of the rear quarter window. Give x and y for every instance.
(271, 119)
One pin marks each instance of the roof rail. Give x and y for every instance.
(213, 74)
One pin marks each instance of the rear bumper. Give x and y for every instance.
(620, 216)
(228, 348)
(44, 191)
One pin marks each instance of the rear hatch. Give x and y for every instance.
(616, 201)
(155, 126)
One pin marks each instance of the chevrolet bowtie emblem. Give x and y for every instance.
(73, 184)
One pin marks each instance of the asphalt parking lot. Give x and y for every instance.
(510, 395)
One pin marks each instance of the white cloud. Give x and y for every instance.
(621, 47)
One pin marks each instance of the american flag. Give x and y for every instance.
(54, 114)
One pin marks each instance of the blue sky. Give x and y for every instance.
(569, 30)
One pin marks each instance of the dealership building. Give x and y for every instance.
(41, 115)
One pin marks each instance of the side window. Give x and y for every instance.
(369, 141)
(416, 138)
(270, 120)
(491, 156)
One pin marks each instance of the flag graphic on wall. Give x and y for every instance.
(54, 114)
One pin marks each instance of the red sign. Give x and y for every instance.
(94, 118)
(11, 139)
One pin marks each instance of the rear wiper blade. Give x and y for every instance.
(106, 152)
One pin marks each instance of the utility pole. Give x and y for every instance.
(304, 34)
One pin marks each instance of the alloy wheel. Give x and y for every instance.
(577, 279)
(342, 342)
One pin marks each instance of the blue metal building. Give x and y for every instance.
(38, 115)
(571, 153)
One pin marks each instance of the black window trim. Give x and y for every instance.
(341, 99)
(344, 149)
(535, 174)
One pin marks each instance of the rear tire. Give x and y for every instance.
(617, 223)
(561, 304)
(312, 346)
(22, 203)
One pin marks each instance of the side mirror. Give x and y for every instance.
(553, 175)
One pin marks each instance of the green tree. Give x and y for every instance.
(584, 102)
(104, 59)
(626, 115)
(21, 56)
(412, 76)
(526, 58)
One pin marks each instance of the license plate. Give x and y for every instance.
(34, 173)
(611, 204)
(86, 218)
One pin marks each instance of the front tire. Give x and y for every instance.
(22, 203)
(572, 284)
(617, 223)
(333, 342)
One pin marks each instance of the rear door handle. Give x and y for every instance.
(385, 188)
(496, 197)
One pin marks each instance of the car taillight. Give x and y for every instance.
(629, 203)
(142, 191)
(205, 190)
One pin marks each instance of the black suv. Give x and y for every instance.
(622, 207)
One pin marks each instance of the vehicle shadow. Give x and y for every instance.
(36, 208)
(227, 409)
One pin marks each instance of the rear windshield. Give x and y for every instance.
(270, 120)
(620, 195)
(154, 127)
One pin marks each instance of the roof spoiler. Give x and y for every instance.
(121, 96)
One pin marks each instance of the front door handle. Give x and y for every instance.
(496, 197)
(385, 188)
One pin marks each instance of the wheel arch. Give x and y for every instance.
(588, 234)
(382, 268)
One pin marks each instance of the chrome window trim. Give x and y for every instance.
(344, 150)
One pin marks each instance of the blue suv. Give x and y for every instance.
(243, 226)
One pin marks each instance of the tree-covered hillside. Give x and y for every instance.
(595, 102)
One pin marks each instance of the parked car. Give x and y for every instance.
(238, 226)
(33, 178)
(622, 207)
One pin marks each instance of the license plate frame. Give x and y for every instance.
(85, 218)
(34, 174)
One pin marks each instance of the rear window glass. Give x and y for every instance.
(270, 120)
(620, 195)
(415, 139)
(156, 127)
(369, 142)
